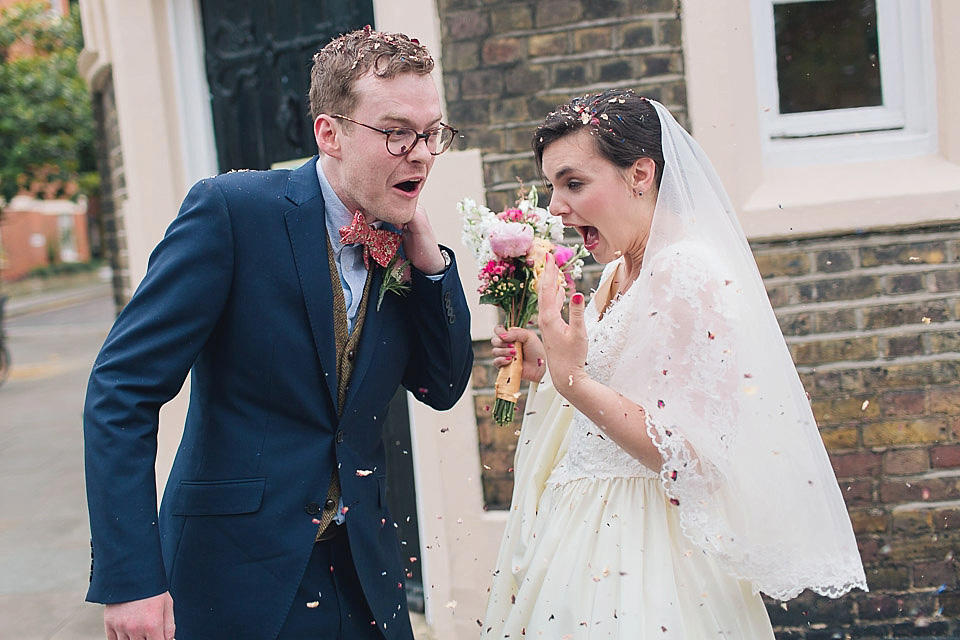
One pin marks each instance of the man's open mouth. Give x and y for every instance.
(409, 186)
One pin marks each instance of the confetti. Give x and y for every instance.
(660, 404)
(313, 605)
(863, 407)
(925, 320)
(452, 604)
(444, 429)
(363, 473)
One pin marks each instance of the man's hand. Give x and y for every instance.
(147, 619)
(420, 244)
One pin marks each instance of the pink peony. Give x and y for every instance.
(562, 255)
(510, 239)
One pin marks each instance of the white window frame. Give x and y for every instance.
(904, 125)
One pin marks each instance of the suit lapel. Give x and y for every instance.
(308, 240)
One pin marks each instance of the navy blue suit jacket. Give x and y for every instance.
(239, 292)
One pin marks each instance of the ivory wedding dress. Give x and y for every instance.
(599, 546)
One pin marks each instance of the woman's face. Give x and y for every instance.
(597, 198)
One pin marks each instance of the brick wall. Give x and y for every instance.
(507, 64)
(873, 323)
(873, 319)
(113, 189)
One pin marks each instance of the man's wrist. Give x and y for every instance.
(441, 268)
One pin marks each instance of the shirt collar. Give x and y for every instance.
(337, 214)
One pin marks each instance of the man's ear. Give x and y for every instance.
(643, 175)
(327, 133)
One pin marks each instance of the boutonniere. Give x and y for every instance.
(383, 246)
(396, 277)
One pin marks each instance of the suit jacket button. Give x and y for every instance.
(339, 437)
(312, 508)
(330, 504)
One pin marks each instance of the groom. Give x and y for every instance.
(274, 521)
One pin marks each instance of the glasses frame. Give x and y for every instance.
(419, 136)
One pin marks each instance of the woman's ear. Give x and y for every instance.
(327, 134)
(643, 175)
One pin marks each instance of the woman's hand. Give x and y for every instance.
(504, 351)
(565, 344)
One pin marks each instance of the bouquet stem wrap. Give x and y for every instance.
(507, 388)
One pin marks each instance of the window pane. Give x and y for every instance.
(827, 55)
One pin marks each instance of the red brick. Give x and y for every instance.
(945, 400)
(464, 25)
(946, 519)
(503, 51)
(869, 548)
(945, 456)
(902, 403)
(851, 465)
(919, 489)
(936, 574)
(906, 461)
(857, 492)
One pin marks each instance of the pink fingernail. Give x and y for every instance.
(577, 298)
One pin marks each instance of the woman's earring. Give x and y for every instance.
(637, 194)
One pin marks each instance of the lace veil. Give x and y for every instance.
(743, 459)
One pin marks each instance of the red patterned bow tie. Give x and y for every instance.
(379, 243)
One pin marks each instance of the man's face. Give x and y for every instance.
(371, 180)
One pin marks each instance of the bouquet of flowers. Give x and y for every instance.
(511, 247)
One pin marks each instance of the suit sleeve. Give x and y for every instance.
(441, 321)
(141, 366)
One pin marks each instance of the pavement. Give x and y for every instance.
(53, 337)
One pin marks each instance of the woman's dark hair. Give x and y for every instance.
(625, 127)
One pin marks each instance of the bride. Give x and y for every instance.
(669, 467)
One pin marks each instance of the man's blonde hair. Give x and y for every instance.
(338, 65)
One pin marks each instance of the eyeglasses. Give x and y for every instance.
(402, 140)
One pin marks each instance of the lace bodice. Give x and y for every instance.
(591, 453)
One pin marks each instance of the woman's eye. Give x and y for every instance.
(574, 185)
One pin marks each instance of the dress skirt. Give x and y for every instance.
(605, 558)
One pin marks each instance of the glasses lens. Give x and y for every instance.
(399, 141)
(440, 140)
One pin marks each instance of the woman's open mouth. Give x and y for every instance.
(591, 237)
